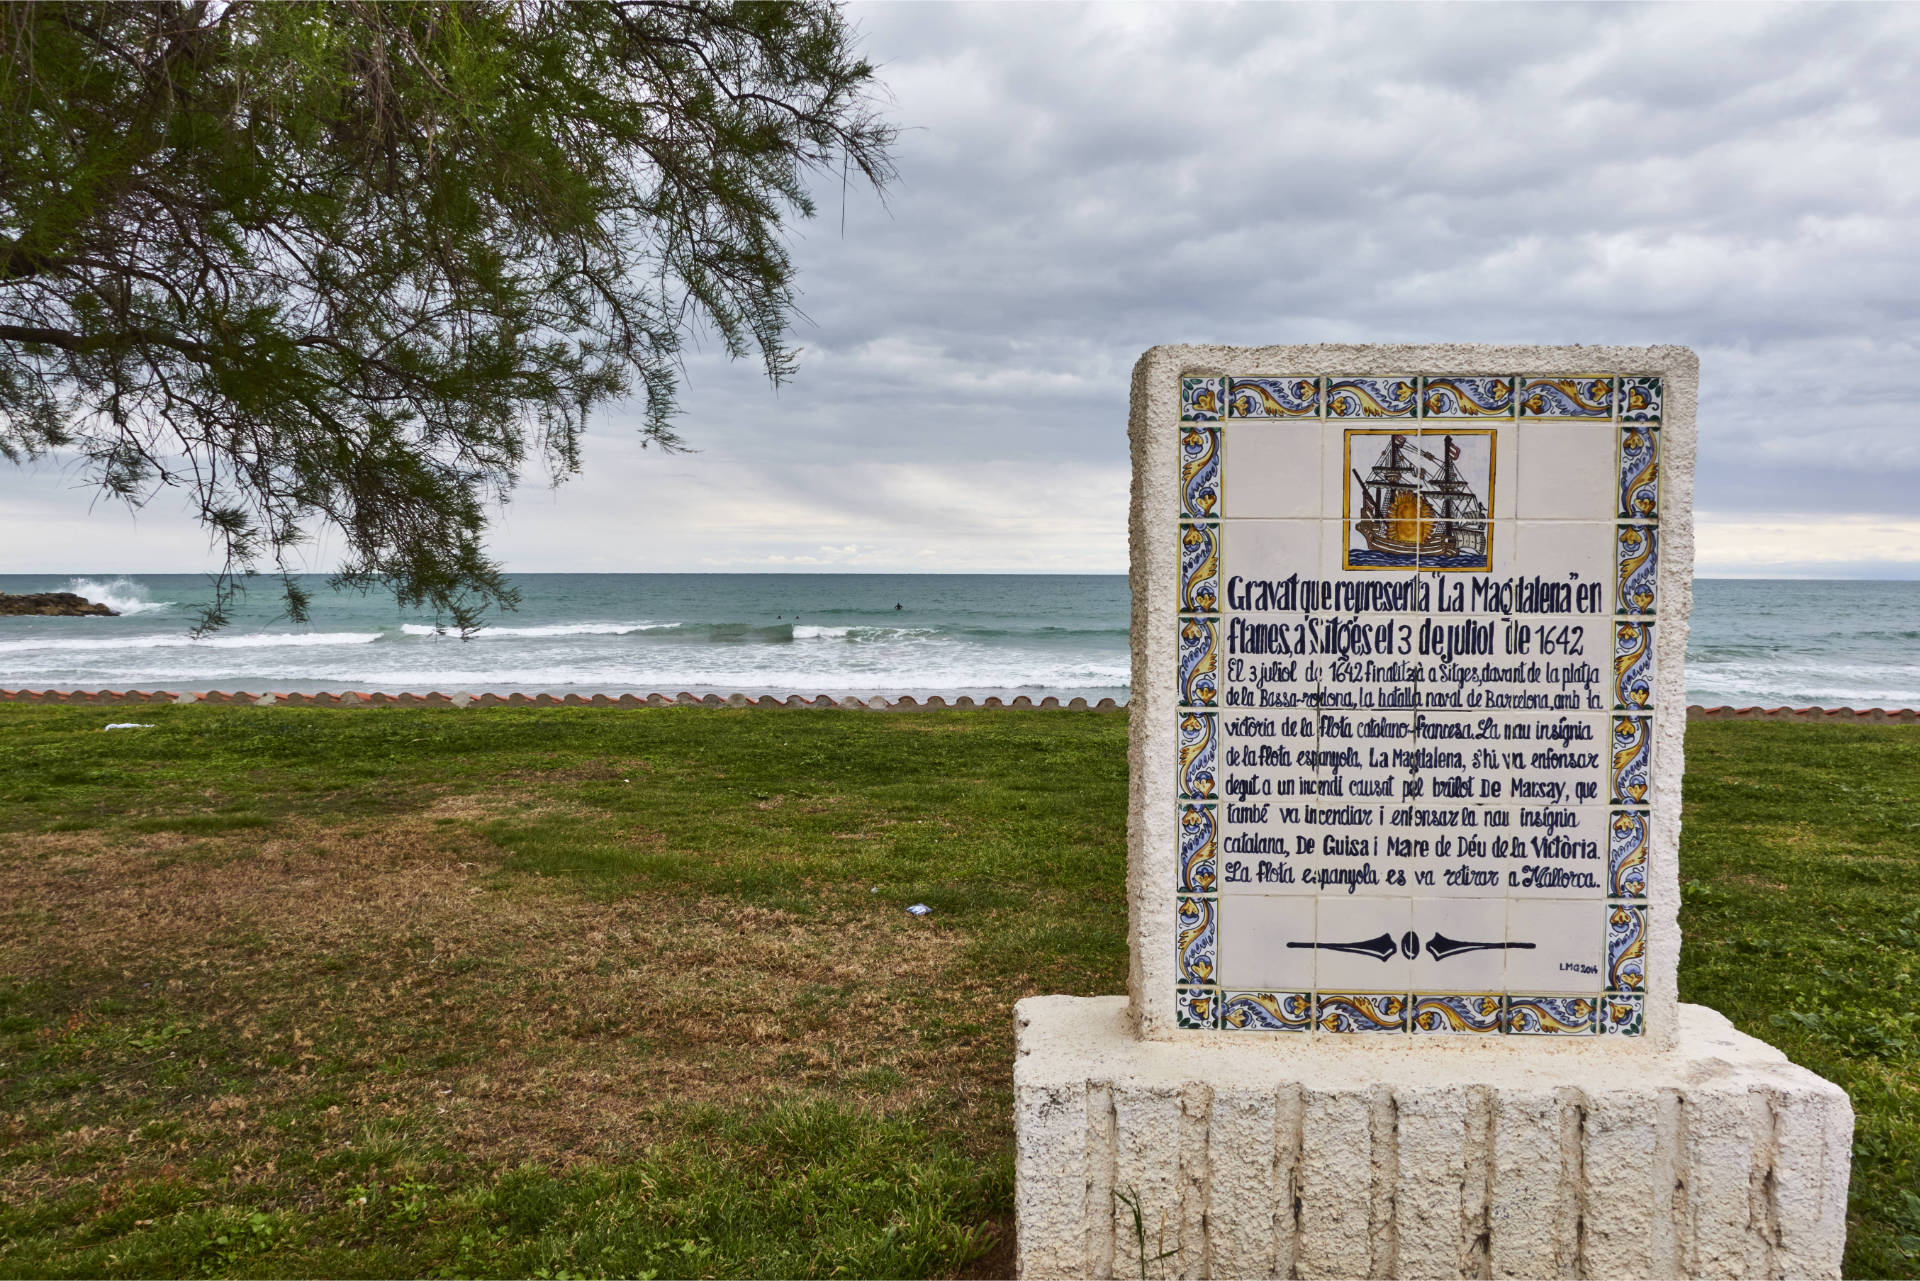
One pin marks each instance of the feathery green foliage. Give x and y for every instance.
(355, 265)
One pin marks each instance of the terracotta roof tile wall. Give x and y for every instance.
(906, 703)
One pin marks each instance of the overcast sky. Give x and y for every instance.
(1078, 185)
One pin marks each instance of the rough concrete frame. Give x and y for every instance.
(1153, 516)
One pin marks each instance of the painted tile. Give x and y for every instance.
(1566, 398)
(1639, 473)
(1199, 848)
(1632, 666)
(1622, 1015)
(1199, 736)
(1200, 471)
(1194, 940)
(1626, 948)
(1196, 1007)
(1273, 398)
(1371, 397)
(1627, 856)
(1466, 398)
(1199, 569)
(1474, 1014)
(1202, 400)
(1640, 400)
(1266, 1011)
(1199, 661)
(1550, 1015)
(1632, 759)
(1637, 560)
(1382, 529)
(1361, 1012)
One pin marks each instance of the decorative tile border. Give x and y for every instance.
(1476, 1013)
(1632, 666)
(1550, 1015)
(1199, 569)
(1199, 661)
(1200, 472)
(1639, 472)
(1266, 1011)
(1372, 397)
(1196, 1008)
(1581, 399)
(1627, 855)
(1632, 768)
(1641, 400)
(1202, 400)
(1273, 398)
(1195, 940)
(1360, 1012)
(1466, 398)
(1626, 948)
(1638, 561)
(1199, 849)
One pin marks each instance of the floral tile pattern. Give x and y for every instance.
(1627, 855)
(1199, 661)
(1202, 400)
(1199, 849)
(1626, 948)
(1371, 397)
(1194, 940)
(1550, 1015)
(1200, 471)
(1266, 1011)
(1566, 398)
(1632, 759)
(1199, 569)
(1199, 737)
(1466, 398)
(1361, 1012)
(1622, 1015)
(1476, 1013)
(1640, 400)
(1639, 472)
(1632, 666)
(1639, 562)
(1196, 1007)
(1273, 398)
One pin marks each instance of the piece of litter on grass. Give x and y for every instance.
(919, 909)
(127, 725)
(874, 890)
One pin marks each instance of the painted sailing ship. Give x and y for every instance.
(1413, 504)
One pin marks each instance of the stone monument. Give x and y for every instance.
(1406, 747)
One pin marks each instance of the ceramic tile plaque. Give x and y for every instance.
(1414, 695)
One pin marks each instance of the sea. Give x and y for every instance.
(1768, 642)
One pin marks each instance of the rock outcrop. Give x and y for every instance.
(56, 604)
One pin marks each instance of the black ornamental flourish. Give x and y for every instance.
(1439, 947)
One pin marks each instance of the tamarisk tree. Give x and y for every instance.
(358, 264)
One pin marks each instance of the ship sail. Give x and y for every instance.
(1414, 503)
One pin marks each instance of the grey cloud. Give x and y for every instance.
(1081, 183)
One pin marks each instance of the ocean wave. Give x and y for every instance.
(178, 640)
(544, 630)
(121, 595)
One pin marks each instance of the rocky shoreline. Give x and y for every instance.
(54, 605)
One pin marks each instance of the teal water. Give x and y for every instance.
(1754, 641)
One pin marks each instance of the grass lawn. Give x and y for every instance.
(585, 992)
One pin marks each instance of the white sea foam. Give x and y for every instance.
(549, 629)
(121, 595)
(68, 644)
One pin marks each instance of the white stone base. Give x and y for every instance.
(1323, 1159)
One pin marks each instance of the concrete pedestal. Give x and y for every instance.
(1345, 1157)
